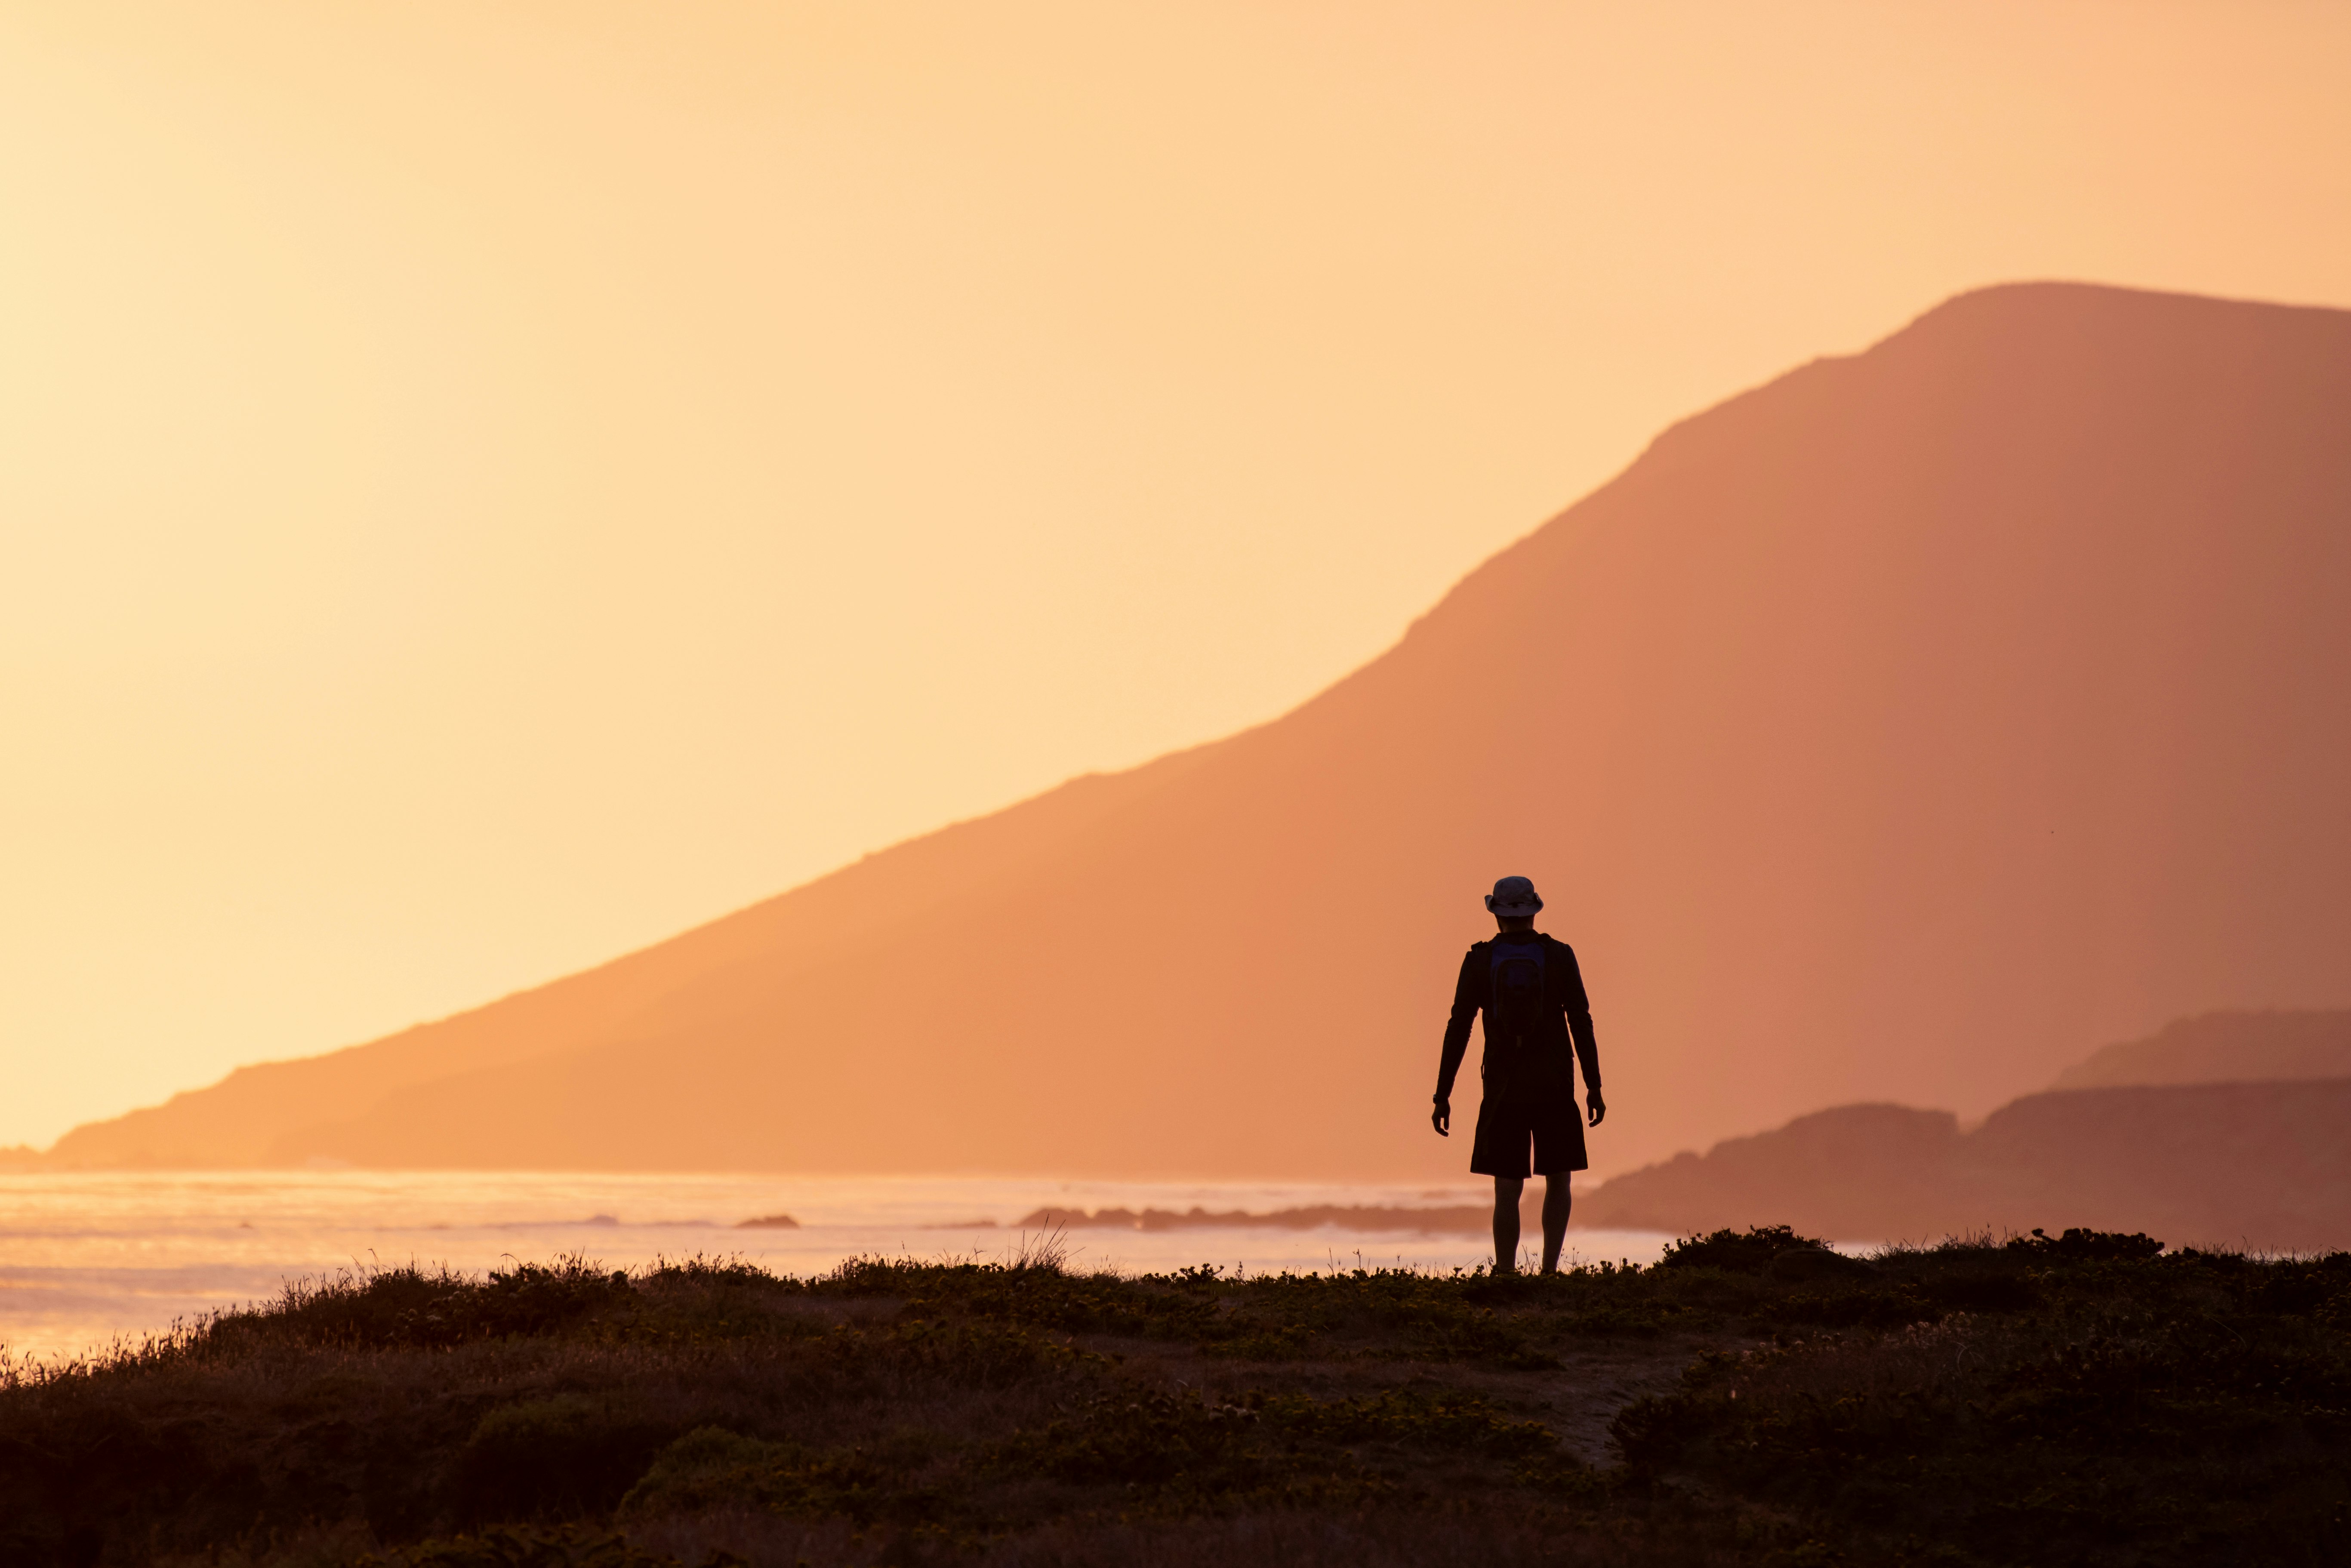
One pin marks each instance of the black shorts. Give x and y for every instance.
(1508, 1123)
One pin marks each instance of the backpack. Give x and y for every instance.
(1514, 1006)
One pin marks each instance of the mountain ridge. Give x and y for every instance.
(2264, 1164)
(1857, 730)
(2228, 1046)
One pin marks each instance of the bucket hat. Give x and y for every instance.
(1513, 895)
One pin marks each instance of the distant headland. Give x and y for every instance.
(1887, 733)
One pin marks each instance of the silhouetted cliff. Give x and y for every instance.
(2234, 1047)
(2257, 1164)
(1883, 732)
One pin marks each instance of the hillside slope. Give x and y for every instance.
(2229, 1047)
(2231, 1165)
(1884, 733)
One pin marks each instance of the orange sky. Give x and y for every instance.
(483, 486)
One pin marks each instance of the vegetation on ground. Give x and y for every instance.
(1752, 1398)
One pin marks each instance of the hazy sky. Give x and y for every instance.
(483, 486)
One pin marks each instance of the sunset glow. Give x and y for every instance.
(484, 487)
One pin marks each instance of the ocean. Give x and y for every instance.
(92, 1258)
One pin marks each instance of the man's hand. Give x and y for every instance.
(1441, 1118)
(1596, 1108)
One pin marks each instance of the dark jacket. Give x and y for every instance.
(1566, 1010)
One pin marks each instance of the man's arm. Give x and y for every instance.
(1587, 1044)
(1587, 1056)
(1457, 1043)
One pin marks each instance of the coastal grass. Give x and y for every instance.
(1752, 1398)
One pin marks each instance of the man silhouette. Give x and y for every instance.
(1531, 993)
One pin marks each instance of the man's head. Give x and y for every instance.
(1513, 903)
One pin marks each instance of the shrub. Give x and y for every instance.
(973, 1354)
(409, 1308)
(568, 1455)
(2077, 1246)
(2088, 1435)
(713, 1467)
(1038, 1293)
(1146, 1438)
(1438, 1318)
(1735, 1251)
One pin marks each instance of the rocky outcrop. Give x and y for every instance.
(2264, 1165)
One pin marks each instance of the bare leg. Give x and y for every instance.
(1506, 1223)
(1557, 1200)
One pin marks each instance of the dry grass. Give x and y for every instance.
(2052, 1402)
